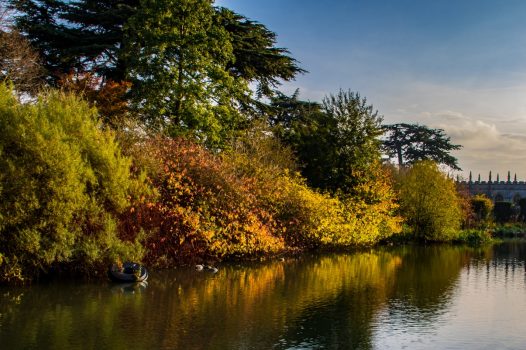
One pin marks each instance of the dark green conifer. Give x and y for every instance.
(91, 35)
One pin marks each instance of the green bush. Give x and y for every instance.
(429, 202)
(473, 237)
(510, 230)
(63, 183)
(482, 208)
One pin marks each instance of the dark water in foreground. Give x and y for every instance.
(438, 297)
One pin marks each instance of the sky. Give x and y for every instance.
(459, 65)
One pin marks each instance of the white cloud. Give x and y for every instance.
(485, 147)
(490, 123)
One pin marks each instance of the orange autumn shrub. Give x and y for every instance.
(202, 210)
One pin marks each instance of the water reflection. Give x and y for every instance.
(376, 299)
(129, 288)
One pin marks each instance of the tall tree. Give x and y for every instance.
(190, 69)
(288, 115)
(355, 133)
(177, 62)
(336, 142)
(302, 126)
(99, 28)
(77, 36)
(410, 143)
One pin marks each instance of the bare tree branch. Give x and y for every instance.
(19, 62)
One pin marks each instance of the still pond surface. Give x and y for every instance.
(435, 297)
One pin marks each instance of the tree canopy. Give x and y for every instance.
(78, 36)
(178, 58)
(410, 143)
(336, 142)
(91, 35)
(257, 59)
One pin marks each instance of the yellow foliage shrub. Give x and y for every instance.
(307, 218)
(247, 203)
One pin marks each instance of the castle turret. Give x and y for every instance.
(508, 189)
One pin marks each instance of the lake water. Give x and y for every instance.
(435, 297)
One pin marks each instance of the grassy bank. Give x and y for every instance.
(472, 237)
(510, 230)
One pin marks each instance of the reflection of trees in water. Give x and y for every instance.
(424, 282)
(330, 301)
(342, 319)
(281, 304)
(343, 323)
(66, 316)
(330, 297)
(428, 274)
(506, 260)
(509, 252)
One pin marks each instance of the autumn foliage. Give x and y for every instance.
(202, 210)
(239, 204)
(73, 201)
(308, 218)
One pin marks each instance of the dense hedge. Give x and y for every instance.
(63, 183)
